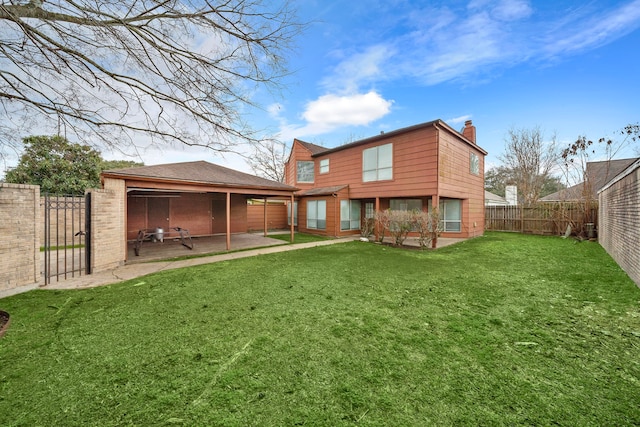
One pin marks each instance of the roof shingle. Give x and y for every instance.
(198, 172)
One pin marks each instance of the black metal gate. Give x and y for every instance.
(66, 248)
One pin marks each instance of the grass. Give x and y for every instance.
(299, 237)
(500, 330)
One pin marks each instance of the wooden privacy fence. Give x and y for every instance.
(543, 218)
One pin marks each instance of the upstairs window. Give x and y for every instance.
(324, 166)
(304, 171)
(474, 162)
(377, 163)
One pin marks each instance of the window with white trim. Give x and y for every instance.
(405, 204)
(377, 163)
(450, 213)
(369, 210)
(295, 213)
(304, 171)
(324, 166)
(317, 214)
(349, 214)
(474, 163)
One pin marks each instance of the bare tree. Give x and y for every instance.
(141, 72)
(531, 160)
(268, 159)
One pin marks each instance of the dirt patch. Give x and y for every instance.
(5, 319)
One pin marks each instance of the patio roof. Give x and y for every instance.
(321, 191)
(200, 173)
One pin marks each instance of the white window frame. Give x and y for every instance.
(304, 175)
(448, 224)
(295, 213)
(350, 211)
(317, 214)
(377, 163)
(405, 204)
(369, 210)
(474, 163)
(324, 166)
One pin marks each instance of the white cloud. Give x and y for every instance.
(330, 112)
(459, 119)
(436, 44)
(359, 68)
(357, 109)
(592, 32)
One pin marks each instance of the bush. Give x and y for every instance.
(400, 224)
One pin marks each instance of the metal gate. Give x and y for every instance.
(66, 248)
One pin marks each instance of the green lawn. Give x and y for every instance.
(500, 330)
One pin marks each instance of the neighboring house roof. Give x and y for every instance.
(322, 191)
(385, 135)
(199, 172)
(494, 199)
(599, 173)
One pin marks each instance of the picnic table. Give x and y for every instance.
(152, 233)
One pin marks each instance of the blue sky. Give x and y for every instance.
(570, 67)
(361, 67)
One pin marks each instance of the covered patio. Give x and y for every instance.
(208, 200)
(206, 245)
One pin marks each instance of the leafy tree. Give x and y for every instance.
(57, 166)
(531, 159)
(124, 71)
(118, 164)
(497, 178)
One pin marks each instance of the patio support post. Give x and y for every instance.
(377, 226)
(435, 205)
(292, 220)
(265, 217)
(228, 220)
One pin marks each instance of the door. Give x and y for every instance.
(158, 213)
(219, 215)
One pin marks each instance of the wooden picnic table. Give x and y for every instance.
(148, 233)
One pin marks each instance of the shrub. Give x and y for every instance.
(400, 224)
(381, 218)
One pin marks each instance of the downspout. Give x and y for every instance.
(264, 216)
(336, 219)
(292, 235)
(228, 220)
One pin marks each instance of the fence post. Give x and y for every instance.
(87, 232)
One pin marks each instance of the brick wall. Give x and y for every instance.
(108, 230)
(619, 221)
(20, 236)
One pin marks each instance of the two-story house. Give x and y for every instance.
(417, 167)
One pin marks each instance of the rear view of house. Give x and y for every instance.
(417, 167)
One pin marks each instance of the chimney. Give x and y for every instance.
(469, 131)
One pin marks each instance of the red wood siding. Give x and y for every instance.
(238, 213)
(276, 217)
(428, 161)
(457, 182)
(201, 214)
